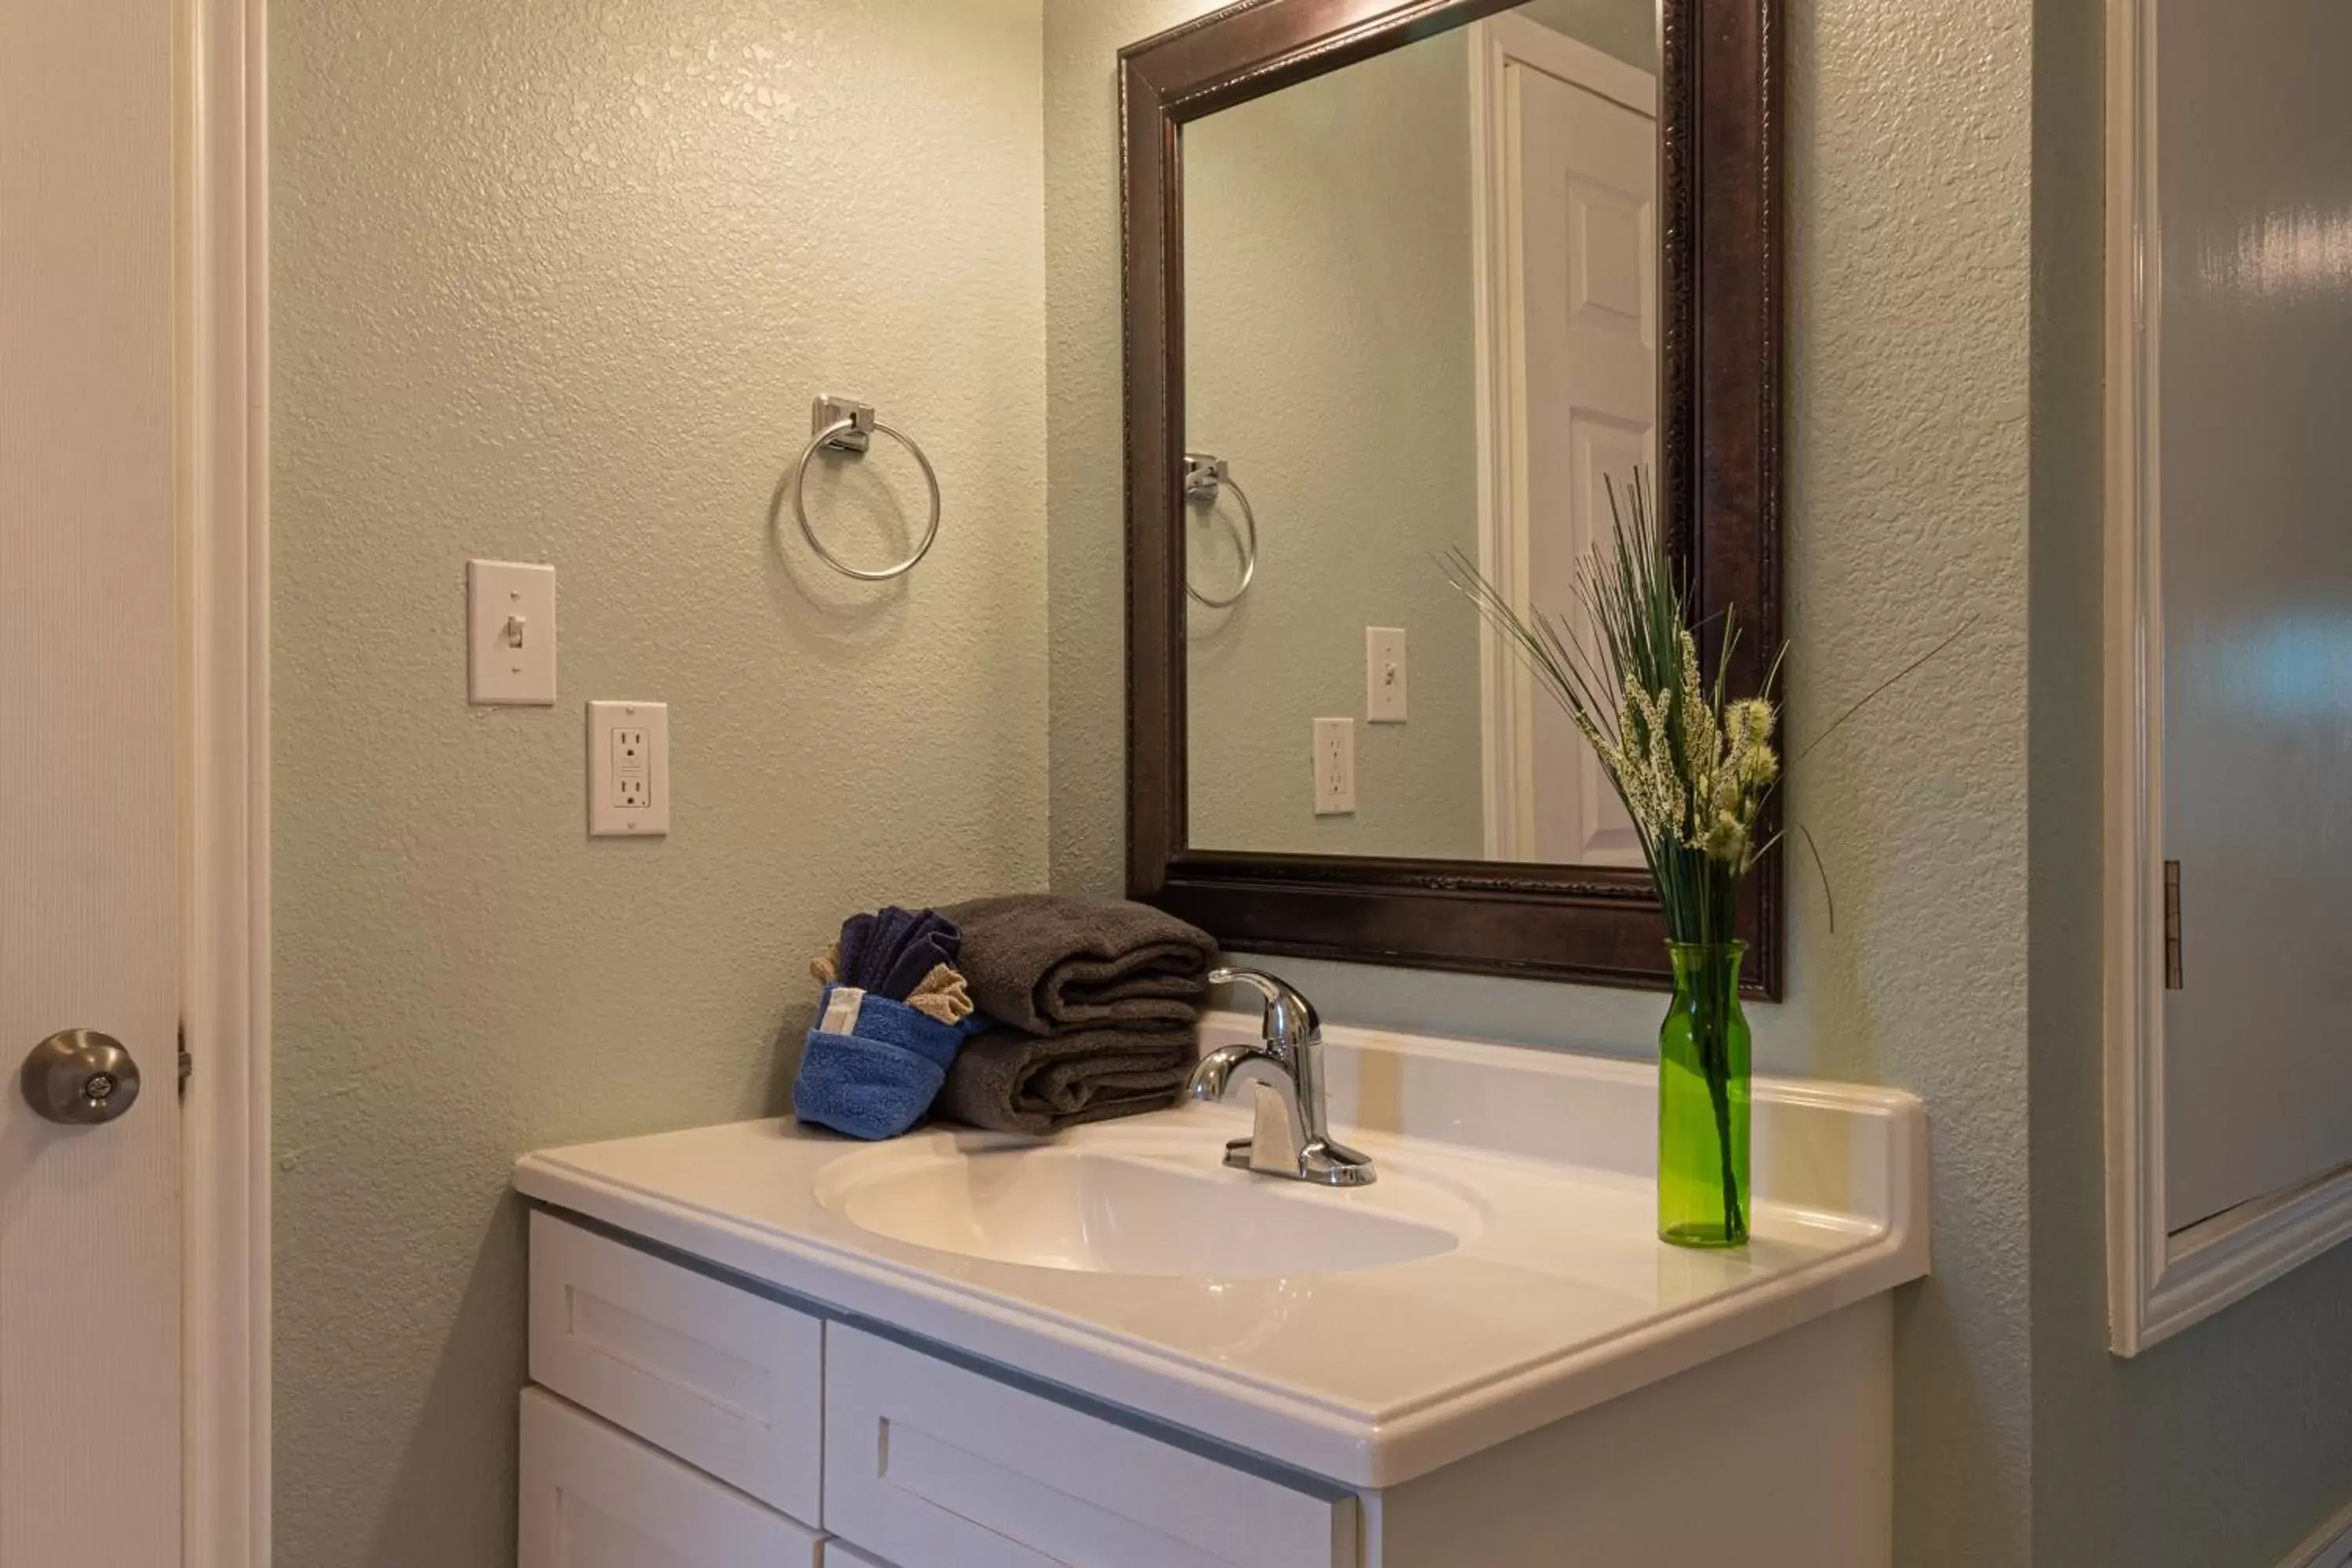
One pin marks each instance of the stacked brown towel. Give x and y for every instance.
(1040, 1084)
(1043, 963)
(1099, 1000)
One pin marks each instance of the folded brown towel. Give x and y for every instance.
(1050, 962)
(1008, 1081)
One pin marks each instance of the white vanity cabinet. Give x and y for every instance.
(755, 1345)
(815, 1441)
(655, 1383)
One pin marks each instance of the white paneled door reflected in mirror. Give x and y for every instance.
(1421, 320)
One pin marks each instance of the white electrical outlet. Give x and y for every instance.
(1335, 767)
(628, 769)
(633, 770)
(510, 633)
(1384, 674)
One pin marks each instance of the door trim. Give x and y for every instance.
(2162, 1277)
(224, 429)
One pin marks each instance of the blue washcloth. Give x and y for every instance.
(873, 1064)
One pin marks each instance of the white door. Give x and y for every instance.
(1573, 210)
(90, 1269)
(2250, 329)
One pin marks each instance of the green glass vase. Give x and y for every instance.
(1703, 1098)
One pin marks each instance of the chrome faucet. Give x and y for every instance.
(1285, 1070)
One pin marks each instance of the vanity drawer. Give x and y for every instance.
(728, 1381)
(594, 1497)
(934, 1467)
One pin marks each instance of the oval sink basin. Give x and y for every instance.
(1130, 1203)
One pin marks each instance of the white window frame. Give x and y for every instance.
(2160, 1277)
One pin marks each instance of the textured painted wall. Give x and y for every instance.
(557, 282)
(2223, 1446)
(1909, 144)
(1331, 356)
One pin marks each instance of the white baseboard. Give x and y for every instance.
(2329, 1546)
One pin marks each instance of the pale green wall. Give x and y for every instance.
(1909, 140)
(557, 280)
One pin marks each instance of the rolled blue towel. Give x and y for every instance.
(889, 952)
(872, 1065)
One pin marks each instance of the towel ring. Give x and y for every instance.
(1204, 476)
(841, 424)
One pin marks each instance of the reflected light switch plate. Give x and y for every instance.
(1384, 674)
(510, 633)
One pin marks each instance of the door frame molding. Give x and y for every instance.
(222, 432)
(2161, 1278)
(1507, 692)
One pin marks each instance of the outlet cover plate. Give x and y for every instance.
(628, 769)
(1335, 767)
(511, 634)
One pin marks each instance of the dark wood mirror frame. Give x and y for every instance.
(1718, 489)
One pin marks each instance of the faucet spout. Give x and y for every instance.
(1278, 1137)
(1218, 1069)
(1285, 1075)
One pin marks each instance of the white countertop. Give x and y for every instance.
(1560, 1298)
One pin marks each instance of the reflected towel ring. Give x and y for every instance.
(841, 425)
(1204, 476)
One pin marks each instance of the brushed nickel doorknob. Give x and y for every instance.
(81, 1078)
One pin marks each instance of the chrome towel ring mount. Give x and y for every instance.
(1205, 478)
(845, 425)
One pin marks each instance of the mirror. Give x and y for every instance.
(1421, 318)
(1409, 280)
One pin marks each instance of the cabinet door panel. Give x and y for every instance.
(594, 1497)
(728, 1381)
(933, 1465)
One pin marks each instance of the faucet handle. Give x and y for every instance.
(1290, 1020)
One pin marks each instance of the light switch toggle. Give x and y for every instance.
(514, 631)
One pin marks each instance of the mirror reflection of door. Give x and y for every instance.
(1421, 318)
(1568, 352)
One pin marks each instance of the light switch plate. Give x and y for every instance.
(510, 633)
(1384, 674)
(1335, 767)
(628, 769)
